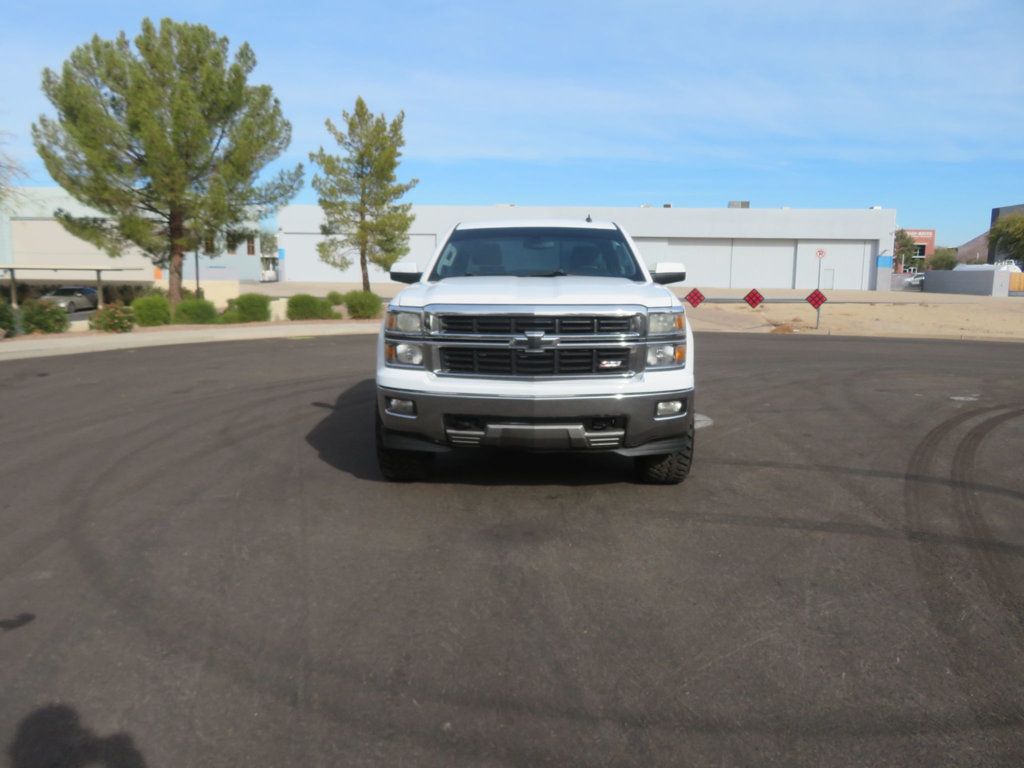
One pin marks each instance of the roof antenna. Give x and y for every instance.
(589, 220)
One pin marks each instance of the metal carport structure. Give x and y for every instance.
(12, 269)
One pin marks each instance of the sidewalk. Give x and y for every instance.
(23, 347)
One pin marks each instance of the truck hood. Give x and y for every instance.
(571, 289)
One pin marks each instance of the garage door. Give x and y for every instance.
(706, 260)
(748, 263)
(763, 263)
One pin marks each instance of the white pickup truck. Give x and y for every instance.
(536, 335)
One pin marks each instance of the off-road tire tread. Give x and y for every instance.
(666, 469)
(402, 466)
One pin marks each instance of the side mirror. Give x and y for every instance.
(666, 272)
(406, 272)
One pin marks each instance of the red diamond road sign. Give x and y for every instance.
(753, 298)
(695, 298)
(816, 298)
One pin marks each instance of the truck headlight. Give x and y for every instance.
(404, 322)
(400, 353)
(666, 355)
(659, 323)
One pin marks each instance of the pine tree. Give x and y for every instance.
(359, 192)
(166, 140)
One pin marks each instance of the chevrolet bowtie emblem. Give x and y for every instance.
(533, 341)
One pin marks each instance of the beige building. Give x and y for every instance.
(32, 241)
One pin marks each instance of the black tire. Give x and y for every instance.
(401, 466)
(666, 468)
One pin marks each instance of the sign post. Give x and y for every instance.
(820, 253)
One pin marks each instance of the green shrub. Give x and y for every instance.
(152, 309)
(43, 317)
(302, 306)
(362, 304)
(113, 318)
(336, 298)
(230, 315)
(250, 308)
(944, 258)
(6, 319)
(195, 312)
(125, 293)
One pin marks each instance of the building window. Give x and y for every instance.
(250, 245)
(918, 250)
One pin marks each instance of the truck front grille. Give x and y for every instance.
(498, 361)
(552, 324)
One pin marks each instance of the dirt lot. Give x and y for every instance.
(862, 313)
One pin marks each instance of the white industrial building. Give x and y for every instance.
(721, 247)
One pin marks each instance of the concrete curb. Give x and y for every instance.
(49, 346)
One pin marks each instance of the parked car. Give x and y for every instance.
(73, 298)
(917, 281)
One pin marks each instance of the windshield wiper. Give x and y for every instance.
(553, 273)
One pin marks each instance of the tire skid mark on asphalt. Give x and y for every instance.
(303, 677)
(61, 420)
(852, 385)
(940, 569)
(75, 485)
(730, 419)
(538, 603)
(198, 638)
(998, 576)
(181, 638)
(823, 725)
(798, 446)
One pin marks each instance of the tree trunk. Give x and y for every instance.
(362, 264)
(174, 275)
(363, 246)
(177, 230)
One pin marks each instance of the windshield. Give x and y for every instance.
(537, 252)
(67, 291)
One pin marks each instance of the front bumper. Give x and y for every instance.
(622, 423)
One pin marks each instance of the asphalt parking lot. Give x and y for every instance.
(200, 566)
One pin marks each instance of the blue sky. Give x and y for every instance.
(911, 105)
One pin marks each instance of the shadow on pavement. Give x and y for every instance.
(344, 439)
(53, 737)
(18, 621)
